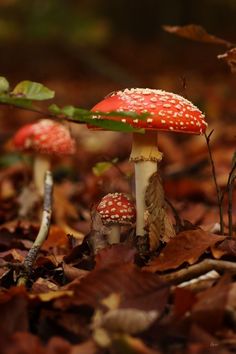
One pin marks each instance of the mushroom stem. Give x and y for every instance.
(41, 165)
(145, 155)
(114, 235)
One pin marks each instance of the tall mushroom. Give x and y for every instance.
(167, 112)
(116, 209)
(45, 138)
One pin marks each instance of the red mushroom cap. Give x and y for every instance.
(117, 208)
(168, 111)
(45, 137)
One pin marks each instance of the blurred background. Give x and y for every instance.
(85, 49)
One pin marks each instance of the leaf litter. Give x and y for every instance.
(78, 277)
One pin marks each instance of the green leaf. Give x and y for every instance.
(93, 118)
(4, 85)
(101, 167)
(32, 91)
(18, 102)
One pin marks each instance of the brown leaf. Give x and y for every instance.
(138, 289)
(42, 285)
(13, 311)
(184, 299)
(129, 320)
(72, 273)
(23, 342)
(196, 33)
(157, 221)
(115, 254)
(209, 310)
(187, 246)
(57, 240)
(230, 58)
(88, 347)
(131, 345)
(226, 247)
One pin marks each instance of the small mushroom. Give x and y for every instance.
(45, 138)
(167, 112)
(116, 209)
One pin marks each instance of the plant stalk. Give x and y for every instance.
(42, 234)
(217, 187)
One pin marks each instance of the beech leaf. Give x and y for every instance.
(187, 246)
(230, 58)
(196, 33)
(32, 91)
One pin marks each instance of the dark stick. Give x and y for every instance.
(218, 190)
(230, 205)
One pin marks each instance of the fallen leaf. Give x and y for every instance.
(209, 309)
(42, 285)
(225, 248)
(127, 344)
(14, 311)
(88, 347)
(230, 58)
(128, 320)
(157, 221)
(196, 33)
(187, 246)
(23, 342)
(138, 289)
(72, 273)
(51, 295)
(57, 240)
(115, 254)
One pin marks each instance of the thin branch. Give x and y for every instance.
(230, 205)
(43, 231)
(199, 269)
(218, 189)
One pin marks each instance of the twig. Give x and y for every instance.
(230, 205)
(198, 269)
(218, 190)
(43, 231)
(45, 114)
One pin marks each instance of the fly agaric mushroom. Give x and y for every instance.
(166, 112)
(45, 138)
(116, 209)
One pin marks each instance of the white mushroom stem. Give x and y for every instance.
(114, 234)
(146, 156)
(41, 165)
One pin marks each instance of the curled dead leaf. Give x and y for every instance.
(196, 33)
(157, 221)
(230, 58)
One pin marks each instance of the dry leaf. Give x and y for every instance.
(72, 273)
(129, 320)
(226, 247)
(138, 289)
(51, 295)
(230, 58)
(57, 239)
(115, 254)
(187, 246)
(157, 221)
(133, 345)
(196, 33)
